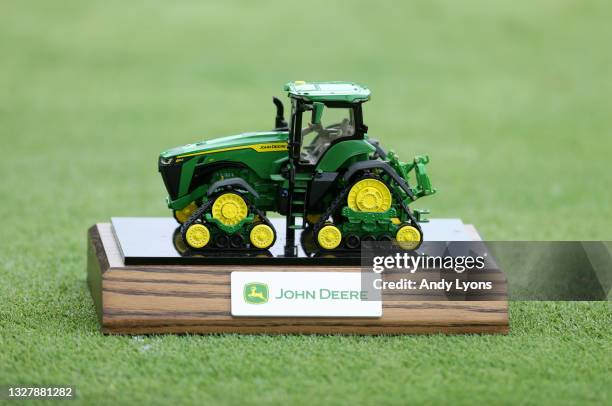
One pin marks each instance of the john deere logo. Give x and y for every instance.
(256, 293)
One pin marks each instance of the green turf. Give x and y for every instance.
(511, 101)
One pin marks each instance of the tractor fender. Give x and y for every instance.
(340, 151)
(363, 165)
(236, 182)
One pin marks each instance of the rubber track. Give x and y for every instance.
(199, 214)
(338, 200)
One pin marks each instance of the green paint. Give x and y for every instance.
(342, 152)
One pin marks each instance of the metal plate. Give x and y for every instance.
(151, 241)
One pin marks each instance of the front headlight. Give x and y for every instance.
(166, 161)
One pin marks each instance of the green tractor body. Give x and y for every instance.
(322, 171)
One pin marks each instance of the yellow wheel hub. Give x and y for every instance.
(183, 214)
(329, 237)
(197, 236)
(229, 209)
(408, 237)
(262, 236)
(369, 195)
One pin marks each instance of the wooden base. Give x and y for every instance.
(146, 299)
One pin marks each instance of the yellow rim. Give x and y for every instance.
(369, 195)
(197, 236)
(183, 214)
(329, 237)
(408, 237)
(262, 236)
(229, 209)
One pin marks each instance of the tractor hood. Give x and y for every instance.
(255, 140)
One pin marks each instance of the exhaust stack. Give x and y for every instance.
(279, 122)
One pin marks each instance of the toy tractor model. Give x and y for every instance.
(331, 180)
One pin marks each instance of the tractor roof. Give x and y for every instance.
(328, 91)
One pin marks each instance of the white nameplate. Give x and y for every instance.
(302, 294)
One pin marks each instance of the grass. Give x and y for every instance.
(511, 101)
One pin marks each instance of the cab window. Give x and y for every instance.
(336, 122)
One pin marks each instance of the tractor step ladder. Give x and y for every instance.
(298, 203)
(297, 208)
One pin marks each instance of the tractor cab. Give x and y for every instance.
(322, 115)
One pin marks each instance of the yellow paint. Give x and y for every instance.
(229, 209)
(395, 220)
(273, 147)
(369, 195)
(267, 147)
(262, 236)
(183, 214)
(197, 236)
(408, 237)
(329, 237)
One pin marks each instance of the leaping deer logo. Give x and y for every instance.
(256, 293)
